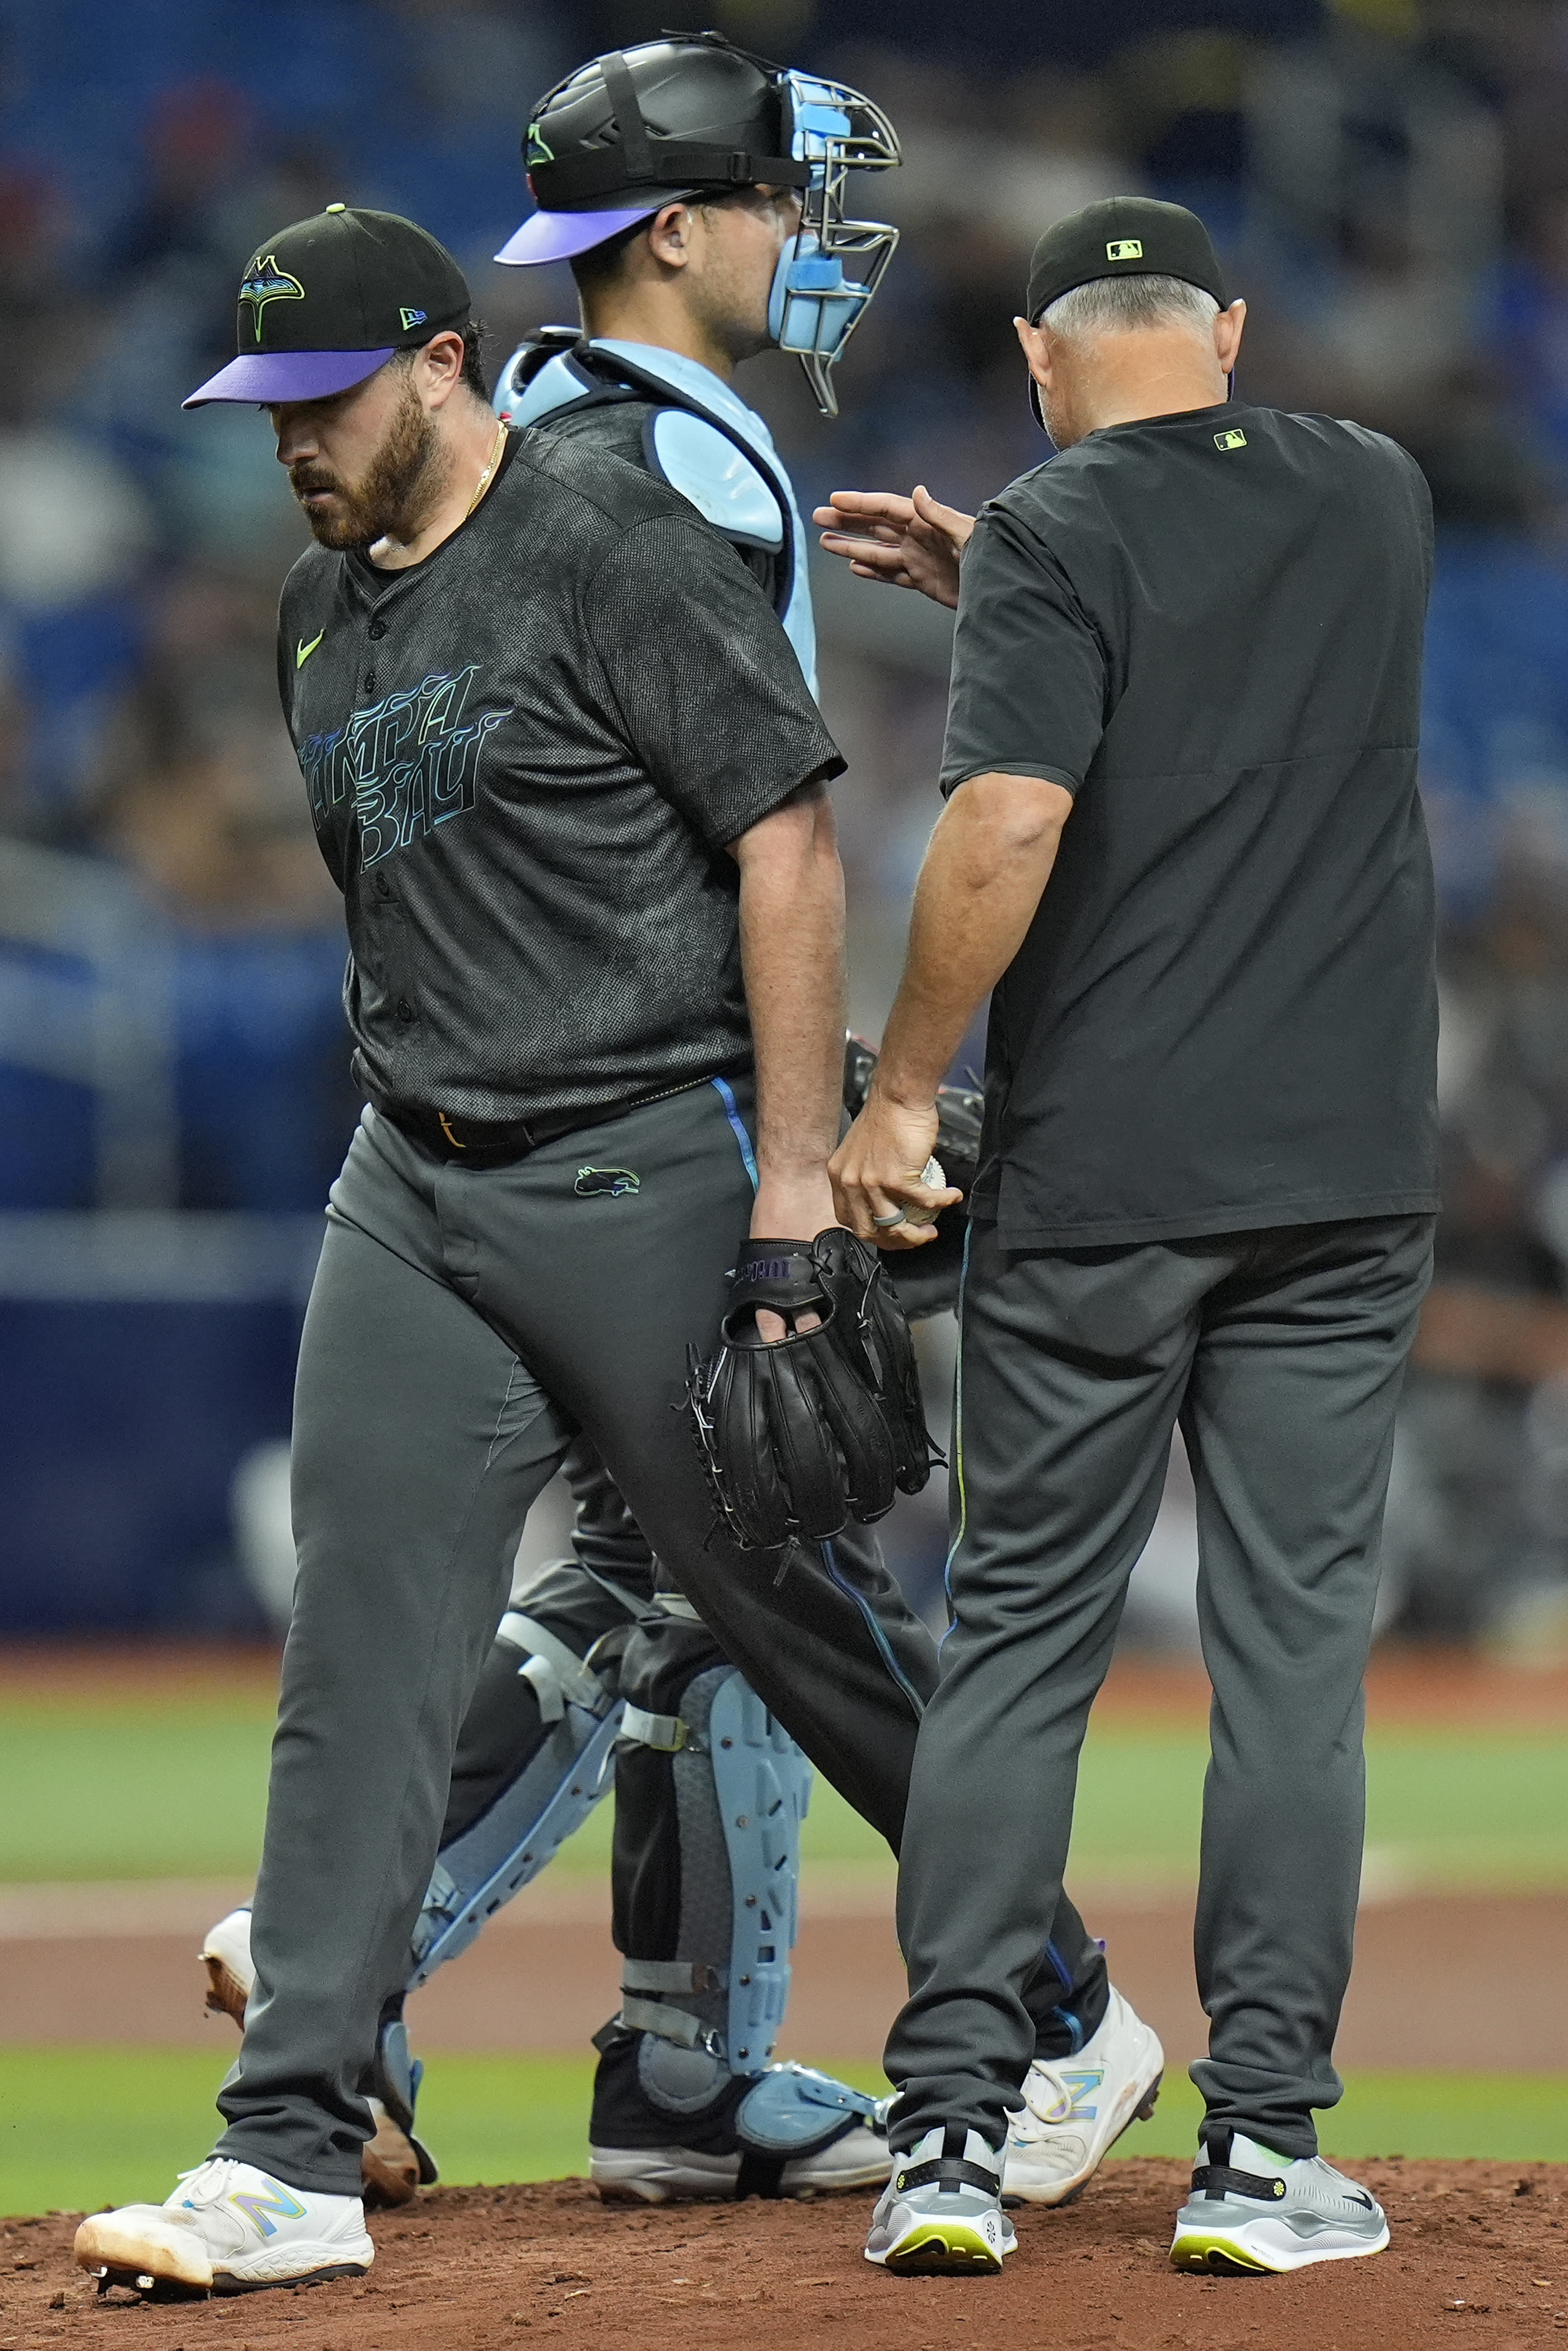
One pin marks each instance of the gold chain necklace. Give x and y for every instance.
(497, 446)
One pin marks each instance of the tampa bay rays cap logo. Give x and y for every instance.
(264, 282)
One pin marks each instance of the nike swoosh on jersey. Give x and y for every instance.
(302, 652)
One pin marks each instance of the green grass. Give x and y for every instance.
(125, 1788)
(1464, 1811)
(85, 2126)
(128, 1789)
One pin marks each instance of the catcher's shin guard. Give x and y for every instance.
(741, 1787)
(521, 1831)
(762, 1784)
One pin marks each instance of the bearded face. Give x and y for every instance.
(390, 499)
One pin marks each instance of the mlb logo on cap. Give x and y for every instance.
(1124, 248)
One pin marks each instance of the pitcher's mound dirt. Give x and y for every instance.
(1478, 2258)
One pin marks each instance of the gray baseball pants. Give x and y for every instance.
(465, 1324)
(1281, 1355)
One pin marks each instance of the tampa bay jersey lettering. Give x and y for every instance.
(408, 762)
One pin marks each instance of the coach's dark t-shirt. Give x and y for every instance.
(526, 756)
(1208, 627)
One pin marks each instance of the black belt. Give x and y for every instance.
(493, 1142)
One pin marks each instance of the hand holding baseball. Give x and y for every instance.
(887, 1185)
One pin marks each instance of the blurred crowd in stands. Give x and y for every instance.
(1388, 180)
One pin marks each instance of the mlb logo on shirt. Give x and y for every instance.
(1233, 440)
(1124, 248)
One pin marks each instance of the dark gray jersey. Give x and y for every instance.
(526, 756)
(1208, 627)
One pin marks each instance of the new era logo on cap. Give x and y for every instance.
(1124, 248)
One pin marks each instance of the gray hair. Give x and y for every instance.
(1116, 305)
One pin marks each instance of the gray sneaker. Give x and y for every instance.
(1252, 2210)
(941, 2209)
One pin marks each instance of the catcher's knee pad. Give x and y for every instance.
(741, 1788)
(532, 1817)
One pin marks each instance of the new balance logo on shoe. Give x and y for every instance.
(1076, 2089)
(255, 2207)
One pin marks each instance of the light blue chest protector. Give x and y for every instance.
(709, 446)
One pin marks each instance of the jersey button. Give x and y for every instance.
(383, 887)
(376, 629)
(370, 684)
(404, 1010)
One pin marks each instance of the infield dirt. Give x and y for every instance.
(1479, 2258)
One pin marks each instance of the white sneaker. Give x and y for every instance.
(1076, 2108)
(227, 2226)
(1252, 2210)
(942, 2211)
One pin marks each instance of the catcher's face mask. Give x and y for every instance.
(814, 307)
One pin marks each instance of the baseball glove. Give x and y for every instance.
(801, 1436)
(925, 1279)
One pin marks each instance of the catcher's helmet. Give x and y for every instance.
(691, 115)
(666, 118)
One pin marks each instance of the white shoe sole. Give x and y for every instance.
(659, 2175)
(662, 2175)
(819, 2176)
(145, 2255)
(945, 2249)
(1251, 2248)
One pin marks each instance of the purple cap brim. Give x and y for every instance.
(268, 379)
(557, 236)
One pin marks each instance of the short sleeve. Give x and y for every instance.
(1028, 696)
(707, 683)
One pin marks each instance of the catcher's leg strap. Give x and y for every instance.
(556, 1672)
(667, 1733)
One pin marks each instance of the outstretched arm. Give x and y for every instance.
(909, 542)
(989, 859)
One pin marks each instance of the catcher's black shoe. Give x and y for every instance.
(671, 2122)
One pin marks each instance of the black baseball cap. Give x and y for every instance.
(1122, 237)
(324, 304)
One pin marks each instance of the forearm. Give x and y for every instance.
(989, 859)
(793, 956)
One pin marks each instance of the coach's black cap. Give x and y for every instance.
(324, 304)
(1125, 237)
